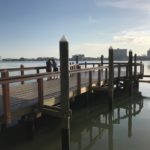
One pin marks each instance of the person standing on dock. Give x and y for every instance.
(55, 67)
(48, 65)
(54, 64)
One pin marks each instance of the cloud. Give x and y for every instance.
(143, 5)
(135, 36)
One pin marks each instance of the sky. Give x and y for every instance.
(33, 28)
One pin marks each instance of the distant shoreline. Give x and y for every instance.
(17, 60)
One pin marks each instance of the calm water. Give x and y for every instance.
(93, 127)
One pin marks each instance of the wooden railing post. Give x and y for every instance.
(140, 67)
(119, 72)
(40, 93)
(77, 59)
(65, 104)
(111, 75)
(127, 71)
(6, 99)
(22, 72)
(90, 80)
(106, 75)
(93, 65)
(102, 60)
(79, 81)
(38, 70)
(99, 76)
(70, 67)
(85, 64)
(135, 68)
(73, 66)
(130, 72)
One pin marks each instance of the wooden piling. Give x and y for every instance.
(119, 72)
(102, 60)
(6, 99)
(85, 64)
(38, 70)
(106, 75)
(79, 81)
(130, 73)
(111, 77)
(135, 68)
(93, 65)
(22, 72)
(77, 59)
(127, 71)
(65, 105)
(90, 80)
(99, 76)
(142, 69)
(40, 93)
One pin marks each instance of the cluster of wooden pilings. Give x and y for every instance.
(65, 103)
(64, 111)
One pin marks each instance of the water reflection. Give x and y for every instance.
(91, 129)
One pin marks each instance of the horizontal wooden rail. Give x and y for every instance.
(30, 68)
(148, 76)
(72, 65)
(13, 79)
(25, 68)
(115, 63)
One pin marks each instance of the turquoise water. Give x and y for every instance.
(93, 126)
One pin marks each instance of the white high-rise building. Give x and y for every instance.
(120, 54)
(148, 53)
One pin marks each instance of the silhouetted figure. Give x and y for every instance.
(48, 65)
(54, 64)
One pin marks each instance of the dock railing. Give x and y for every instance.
(100, 79)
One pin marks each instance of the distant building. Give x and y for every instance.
(80, 57)
(148, 53)
(120, 54)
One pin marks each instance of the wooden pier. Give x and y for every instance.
(51, 92)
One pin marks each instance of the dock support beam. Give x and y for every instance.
(102, 59)
(22, 72)
(135, 71)
(77, 59)
(111, 77)
(40, 93)
(6, 101)
(130, 73)
(65, 105)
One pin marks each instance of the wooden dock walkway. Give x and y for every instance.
(51, 92)
(24, 95)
